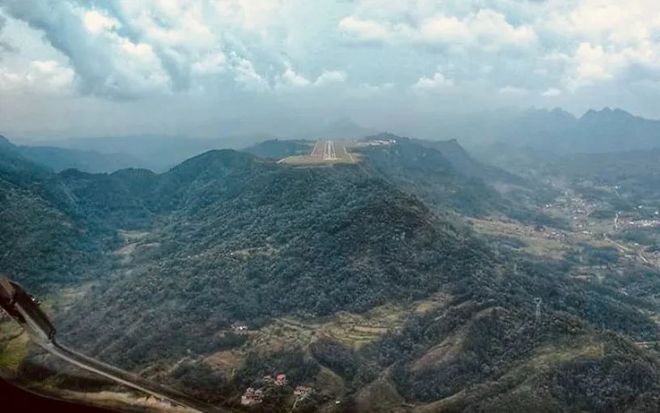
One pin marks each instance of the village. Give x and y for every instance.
(351, 329)
(255, 395)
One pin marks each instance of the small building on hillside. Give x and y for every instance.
(252, 397)
(280, 379)
(239, 327)
(302, 391)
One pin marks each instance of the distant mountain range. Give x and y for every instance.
(159, 153)
(142, 151)
(559, 132)
(552, 132)
(59, 159)
(342, 128)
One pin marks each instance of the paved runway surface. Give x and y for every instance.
(323, 152)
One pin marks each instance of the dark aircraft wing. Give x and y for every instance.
(25, 310)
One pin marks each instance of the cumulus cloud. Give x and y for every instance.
(41, 77)
(437, 82)
(105, 62)
(246, 75)
(211, 64)
(120, 48)
(485, 29)
(551, 92)
(608, 39)
(125, 49)
(291, 51)
(97, 22)
(593, 64)
(329, 77)
(290, 79)
(364, 30)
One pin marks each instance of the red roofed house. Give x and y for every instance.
(280, 379)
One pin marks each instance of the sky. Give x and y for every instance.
(207, 68)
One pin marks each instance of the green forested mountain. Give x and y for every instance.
(451, 320)
(242, 239)
(44, 238)
(443, 175)
(468, 166)
(427, 173)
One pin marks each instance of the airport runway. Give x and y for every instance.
(325, 151)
